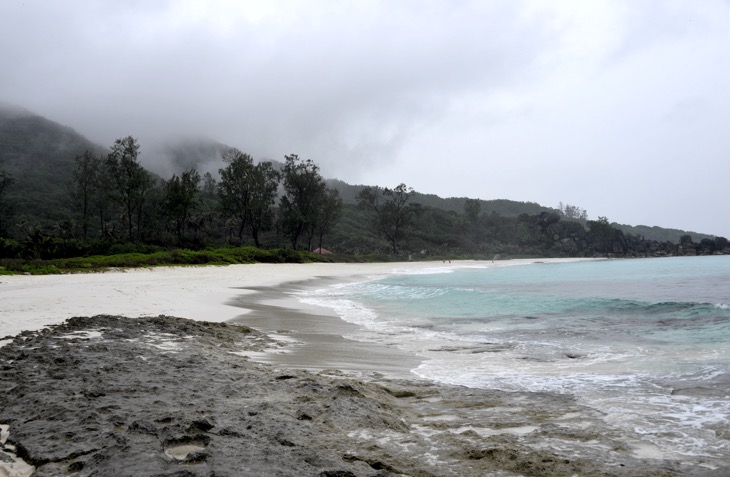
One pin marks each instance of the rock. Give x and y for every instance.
(167, 396)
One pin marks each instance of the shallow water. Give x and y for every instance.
(647, 342)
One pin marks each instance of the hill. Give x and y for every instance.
(40, 155)
(504, 207)
(660, 234)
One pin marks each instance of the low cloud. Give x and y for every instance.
(549, 95)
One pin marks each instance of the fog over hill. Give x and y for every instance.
(40, 154)
(174, 156)
(620, 107)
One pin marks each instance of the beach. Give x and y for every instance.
(200, 293)
(222, 369)
(258, 295)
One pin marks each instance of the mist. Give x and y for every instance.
(618, 107)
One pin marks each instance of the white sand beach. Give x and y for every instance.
(201, 293)
(254, 295)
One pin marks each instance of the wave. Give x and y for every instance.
(649, 309)
(550, 329)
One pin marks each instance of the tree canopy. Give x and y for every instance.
(303, 199)
(391, 208)
(180, 199)
(130, 180)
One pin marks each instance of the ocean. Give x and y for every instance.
(645, 341)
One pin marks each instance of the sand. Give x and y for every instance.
(256, 295)
(198, 293)
(207, 293)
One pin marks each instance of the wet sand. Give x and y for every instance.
(314, 336)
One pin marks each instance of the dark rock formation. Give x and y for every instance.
(599, 239)
(111, 396)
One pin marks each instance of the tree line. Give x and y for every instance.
(117, 198)
(118, 206)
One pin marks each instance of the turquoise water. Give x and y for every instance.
(645, 341)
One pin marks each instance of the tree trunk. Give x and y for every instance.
(130, 223)
(240, 232)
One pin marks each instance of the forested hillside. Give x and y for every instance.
(39, 154)
(62, 195)
(507, 208)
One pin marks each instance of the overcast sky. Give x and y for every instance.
(619, 107)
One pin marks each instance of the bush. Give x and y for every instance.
(10, 248)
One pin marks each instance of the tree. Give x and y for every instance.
(151, 219)
(602, 234)
(131, 180)
(180, 199)
(303, 192)
(573, 212)
(391, 209)
(104, 196)
(210, 186)
(263, 188)
(91, 191)
(329, 213)
(6, 180)
(85, 187)
(208, 209)
(472, 211)
(234, 188)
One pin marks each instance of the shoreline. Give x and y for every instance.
(197, 292)
(202, 293)
(315, 337)
(288, 363)
(250, 294)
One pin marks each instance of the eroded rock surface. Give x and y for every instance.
(105, 395)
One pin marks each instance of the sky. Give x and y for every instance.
(619, 107)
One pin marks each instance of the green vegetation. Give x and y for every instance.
(39, 154)
(246, 193)
(6, 181)
(216, 256)
(307, 209)
(659, 234)
(392, 211)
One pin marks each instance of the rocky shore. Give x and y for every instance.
(164, 396)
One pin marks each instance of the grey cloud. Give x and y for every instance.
(390, 91)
